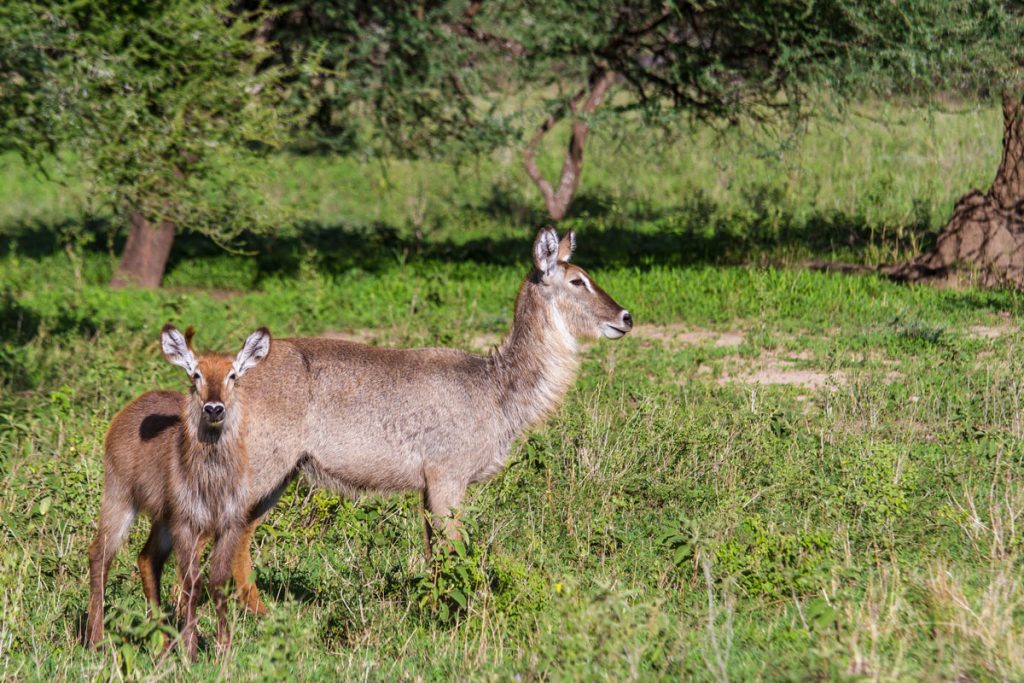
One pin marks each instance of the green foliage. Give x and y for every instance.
(133, 638)
(916, 47)
(682, 540)
(768, 562)
(875, 484)
(29, 82)
(289, 638)
(520, 591)
(443, 591)
(166, 107)
(445, 78)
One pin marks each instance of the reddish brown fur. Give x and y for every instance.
(190, 476)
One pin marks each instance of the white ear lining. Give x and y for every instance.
(255, 349)
(545, 251)
(176, 350)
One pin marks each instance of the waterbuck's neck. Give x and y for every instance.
(536, 364)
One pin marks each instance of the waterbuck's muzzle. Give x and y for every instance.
(622, 325)
(213, 413)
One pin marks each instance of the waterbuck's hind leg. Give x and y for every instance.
(241, 571)
(116, 515)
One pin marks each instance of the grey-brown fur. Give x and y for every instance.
(356, 417)
(182, 461)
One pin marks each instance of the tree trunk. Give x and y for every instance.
(1008, 188)
(984, 238)
(145, 253)
(557, 200)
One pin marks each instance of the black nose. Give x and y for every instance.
(627, 320)
(213, 411)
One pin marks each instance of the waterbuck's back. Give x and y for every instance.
(367, 417)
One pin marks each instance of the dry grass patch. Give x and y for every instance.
(1005, 326)
(782, 368)
(677, 335)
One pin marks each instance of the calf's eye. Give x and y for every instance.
(578, 282)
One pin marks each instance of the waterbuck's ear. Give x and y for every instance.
(545, 250)
(566, 247)
(255, 349)
(176, 349)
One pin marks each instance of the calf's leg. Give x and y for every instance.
(221, 562)
(186, 549)
(116, 515)
(151, 564)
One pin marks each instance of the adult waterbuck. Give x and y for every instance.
(354, 417)
(181, 460)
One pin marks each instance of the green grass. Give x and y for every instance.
(672, 520)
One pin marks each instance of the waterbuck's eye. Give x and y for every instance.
(196, 377)
(232, 377)
(578, 282)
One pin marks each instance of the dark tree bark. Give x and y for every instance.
(984, 239)
(557, 200)
(145, 253)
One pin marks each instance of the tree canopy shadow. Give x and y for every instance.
(698, 230)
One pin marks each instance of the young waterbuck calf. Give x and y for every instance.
(356, 417)
(181, 460)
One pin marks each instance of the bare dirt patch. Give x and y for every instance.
(677, 334)
(808, 379)
(1002, 328)
(770, 368)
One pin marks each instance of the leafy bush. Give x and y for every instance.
(771, 563)
(446, 587)
(519, 590)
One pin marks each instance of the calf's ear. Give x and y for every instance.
(255, 349)
(176, 349)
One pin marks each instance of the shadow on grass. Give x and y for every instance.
(613, 233)
(280, 584)
(699, 231)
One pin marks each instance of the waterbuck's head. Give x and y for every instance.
(213, 375)
(572, 296)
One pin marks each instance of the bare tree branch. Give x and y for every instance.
(557, 200)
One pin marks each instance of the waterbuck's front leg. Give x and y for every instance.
(186, 548)
(222, 558)
(441, 497)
